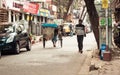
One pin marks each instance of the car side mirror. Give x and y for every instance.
(19, 30)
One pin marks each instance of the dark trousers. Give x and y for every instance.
(80, 41)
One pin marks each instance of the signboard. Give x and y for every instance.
(31, 7)
(103, 21)
(41, 0)
(104, 3)
(38, 0)
(11, 4)
(49, 1)
(44, 12)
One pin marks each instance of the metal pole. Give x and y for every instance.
(107, 33)
(30, 24)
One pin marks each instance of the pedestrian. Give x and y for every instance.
(80, 32)
(54, 39)
(61, 29)
(71, 29)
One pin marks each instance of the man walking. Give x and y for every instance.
(80, 32)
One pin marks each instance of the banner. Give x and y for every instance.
(31, 7)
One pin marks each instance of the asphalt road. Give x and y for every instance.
(47, 61)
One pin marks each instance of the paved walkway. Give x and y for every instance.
(95, 66)
(99, 67)
(89, 46)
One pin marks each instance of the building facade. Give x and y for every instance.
(35, 12)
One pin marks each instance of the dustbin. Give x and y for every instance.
(102, 50)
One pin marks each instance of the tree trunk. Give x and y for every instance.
(81, 15)
(94, 18)
(68, 8)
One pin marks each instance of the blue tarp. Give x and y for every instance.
(49, 25)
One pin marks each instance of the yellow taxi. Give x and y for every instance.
(66, 28)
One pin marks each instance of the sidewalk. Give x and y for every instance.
(89, 46)
(100, 67)
(86, 65)
(93, 65)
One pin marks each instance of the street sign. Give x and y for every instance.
(102, 21)
(104, 3)
(109, 21)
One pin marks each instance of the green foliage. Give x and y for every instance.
(64, 5)
(61, 4)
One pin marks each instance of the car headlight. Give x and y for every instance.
(10, 39)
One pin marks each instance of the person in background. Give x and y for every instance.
(71, 29)
(61, 29)
(54, 39)
(80, 32)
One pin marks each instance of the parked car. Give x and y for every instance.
(13, 37)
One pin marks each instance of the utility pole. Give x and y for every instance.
(107, 33)
(107, 53)
(30, 24)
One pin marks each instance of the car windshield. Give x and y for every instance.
(6, 28)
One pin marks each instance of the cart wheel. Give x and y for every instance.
(43, 42)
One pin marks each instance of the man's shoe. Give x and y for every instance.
(54, 45)
(81, 51)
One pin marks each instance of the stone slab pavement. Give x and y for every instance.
(103, 67)
(93, 65)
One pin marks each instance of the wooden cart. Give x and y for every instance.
(48, 33)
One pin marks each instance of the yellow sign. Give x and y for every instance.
(44, 10)
(104, 3)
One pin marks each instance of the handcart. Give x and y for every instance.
(48, 33)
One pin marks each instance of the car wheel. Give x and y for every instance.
(28, 47)
(17, 49)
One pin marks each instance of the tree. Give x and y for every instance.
(94, 18)
(62, 6)
(68, 8)
(91, 9)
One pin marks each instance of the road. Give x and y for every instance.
(48, 61)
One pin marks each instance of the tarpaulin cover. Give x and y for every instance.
(49, 25)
